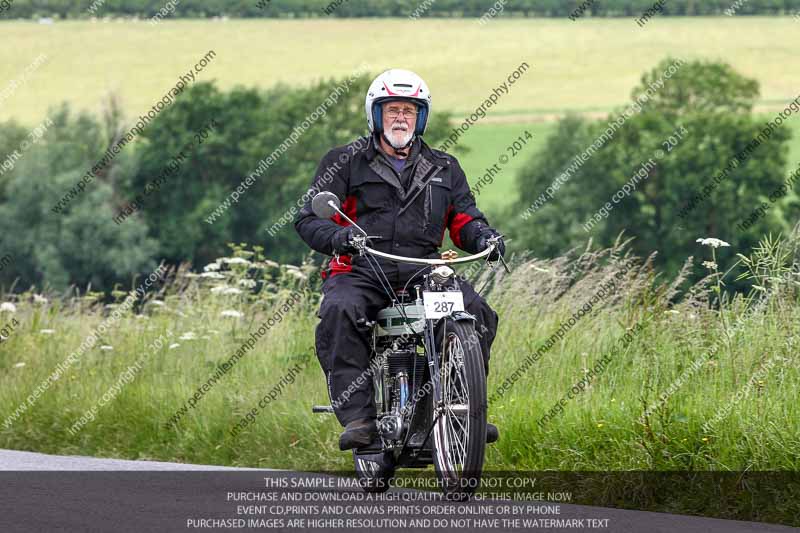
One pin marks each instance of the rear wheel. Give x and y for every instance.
(459, 432)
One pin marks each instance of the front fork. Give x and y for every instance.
(433, 358)
(433, 362)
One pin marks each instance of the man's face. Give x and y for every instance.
(399, 121)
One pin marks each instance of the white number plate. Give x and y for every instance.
(439, 304)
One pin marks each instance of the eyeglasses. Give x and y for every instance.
(394, 112)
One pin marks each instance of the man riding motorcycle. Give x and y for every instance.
(404, 194)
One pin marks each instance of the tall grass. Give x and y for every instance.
(603, 428)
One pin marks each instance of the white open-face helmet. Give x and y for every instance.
(397, 84)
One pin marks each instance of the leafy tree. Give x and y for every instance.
(78, 246)
(701, 120)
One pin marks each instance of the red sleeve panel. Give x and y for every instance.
(349, 208)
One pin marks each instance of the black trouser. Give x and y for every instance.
(343, 345)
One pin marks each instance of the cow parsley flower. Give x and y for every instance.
(297, 274)
(8, 307)
(231, 290)
(236, 261)
(232, 313)
(711, 241)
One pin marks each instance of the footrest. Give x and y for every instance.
(322, 409)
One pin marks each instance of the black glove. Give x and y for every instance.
(341, 242)
(499, 250)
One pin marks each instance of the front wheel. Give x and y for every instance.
(459, 432)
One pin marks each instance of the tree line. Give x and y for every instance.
(386, 8)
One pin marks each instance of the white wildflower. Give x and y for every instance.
(297, 274)
(173, 345)
(248, 283)
(711, 241)
(225, 290)
(188, 336)
(211, 267)
(292, 267)
(236, 261)
(158, 303)
(19, 365)
(272, 264)
(672, 312)
(47, 331)
(231, 313)
(8, 307)
(212, 275)
(39, 299)
(106, 348)
(711, 265)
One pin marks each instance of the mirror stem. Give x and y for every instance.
(333, 205)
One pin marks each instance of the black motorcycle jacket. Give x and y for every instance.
(409, 222)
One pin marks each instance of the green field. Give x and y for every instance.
(585, 65)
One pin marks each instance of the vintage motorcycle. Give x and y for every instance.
(428, 375)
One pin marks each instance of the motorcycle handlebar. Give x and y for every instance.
(422, 261)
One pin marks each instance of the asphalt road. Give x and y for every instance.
(40, 492)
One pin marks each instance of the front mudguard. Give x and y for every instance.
(457, 316)
(461, 315)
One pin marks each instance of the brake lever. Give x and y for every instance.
(494, 240)
(505, 265)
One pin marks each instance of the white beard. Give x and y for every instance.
(398, 138)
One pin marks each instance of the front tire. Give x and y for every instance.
(459, 432)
